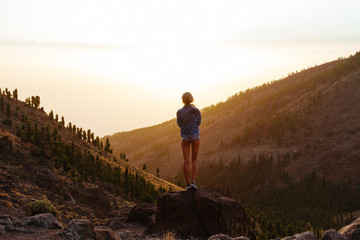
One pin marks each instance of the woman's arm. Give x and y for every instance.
(178, 119)
(199, 117)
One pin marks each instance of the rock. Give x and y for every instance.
(2, 229)
(115, 223)
(142, 213)
(331, 234)
(225, 237)
(6, 145)
(46, 220)
(80, 229)
(5, 221)
(125, 234)
(105, 233)
(302, 236)
(7, 224)
(201, 214)
(351, 231)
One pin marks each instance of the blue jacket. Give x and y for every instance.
(189, 120)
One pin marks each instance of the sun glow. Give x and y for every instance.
(114, 60)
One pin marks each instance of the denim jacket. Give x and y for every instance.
(189, 120)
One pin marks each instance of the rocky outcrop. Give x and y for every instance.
(142, 213)
(6, 145)
(332, 234)
(200, 214)
(351, 231)
(46, 220)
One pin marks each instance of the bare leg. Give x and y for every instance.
(186, 153)
(194, 153)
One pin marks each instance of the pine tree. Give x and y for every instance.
(62, 121)
(36, 135)
(37, 102)
(2, 104)
(88, 135)
(51, 114)
(8, 94)
(107, 145)
(28, 101)
(8, 110)
(157, 172)
(15, 94)
(144, 167)
(84, 135)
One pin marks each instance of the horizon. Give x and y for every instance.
(112, 67)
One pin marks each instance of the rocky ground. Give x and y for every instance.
(202, 214)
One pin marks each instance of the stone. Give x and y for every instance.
(2, 229)
(200, 214)
(351, 231)
(222, 236)
(115, 223)
(105, 233)
(142, 213)
(332, 234)
(46, 220)
(6, 221)
(81, 229)
(302, 236)
(125, 234)
(6, 145)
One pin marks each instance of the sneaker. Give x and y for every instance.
(188, 187)
(193, 186)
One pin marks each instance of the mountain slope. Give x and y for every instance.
(313, 116)
(41, 158)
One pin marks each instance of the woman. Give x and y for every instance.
(189, 120)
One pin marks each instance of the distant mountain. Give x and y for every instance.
(43, 158)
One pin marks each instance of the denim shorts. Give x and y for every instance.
(190, 138)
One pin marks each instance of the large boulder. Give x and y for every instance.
(352, 231)
(332, 234)
(78, 229)
(200, 214)
(142, 213)
(6, 145)
(46, 220)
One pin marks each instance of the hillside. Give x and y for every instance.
(43, 158)
(286, 149)
(313, 114)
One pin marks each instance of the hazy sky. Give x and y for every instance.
(118, 65)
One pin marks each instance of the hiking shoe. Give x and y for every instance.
(193, 186)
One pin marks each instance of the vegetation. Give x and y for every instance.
(281, 211)
(42, 206)
(81, 164)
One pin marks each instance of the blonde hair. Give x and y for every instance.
(187, 98)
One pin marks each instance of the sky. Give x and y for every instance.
(113, 66)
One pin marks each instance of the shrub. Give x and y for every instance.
(42, 206)
(7, 122)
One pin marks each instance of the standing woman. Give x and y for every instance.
(189, 120)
